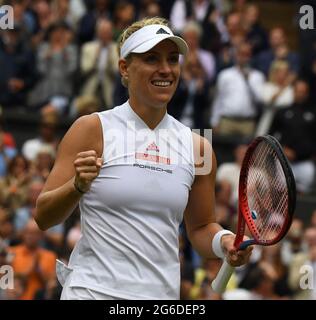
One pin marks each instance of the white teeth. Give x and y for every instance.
(162, 83)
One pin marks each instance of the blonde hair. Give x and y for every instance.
(135, 27)
(138, 25)
(193, 26)
(275, 66)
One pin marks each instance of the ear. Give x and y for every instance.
(123, 68)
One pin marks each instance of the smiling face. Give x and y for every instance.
(152, 76)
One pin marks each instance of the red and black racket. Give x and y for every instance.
(267, 199)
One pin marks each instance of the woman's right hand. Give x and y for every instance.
(87, 166)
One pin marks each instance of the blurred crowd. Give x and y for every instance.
(240, 79)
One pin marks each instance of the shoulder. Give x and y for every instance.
(257, 74)
(86, 123)
(227, 72)
(85, 134)
(31, 142)
(91, 45)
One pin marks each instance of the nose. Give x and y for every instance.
(164, 67)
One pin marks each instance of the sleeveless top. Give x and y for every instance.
(130, 217)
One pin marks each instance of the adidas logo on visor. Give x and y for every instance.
(161, 31)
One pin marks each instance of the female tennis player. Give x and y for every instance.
(133, 171)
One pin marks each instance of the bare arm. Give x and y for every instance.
(200, 217)
(78, 161)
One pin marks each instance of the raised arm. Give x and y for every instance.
(77, 164)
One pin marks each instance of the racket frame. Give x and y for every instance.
(244, 214)
(243, 207)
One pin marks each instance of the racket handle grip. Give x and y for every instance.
(220, 282)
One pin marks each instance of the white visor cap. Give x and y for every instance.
(149, 36)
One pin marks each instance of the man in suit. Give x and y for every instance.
(99, 64)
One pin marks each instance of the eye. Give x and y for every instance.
(174, 59)
(151, 58)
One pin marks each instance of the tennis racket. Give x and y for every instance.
(266, 200)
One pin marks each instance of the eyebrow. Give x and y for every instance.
(156, 52)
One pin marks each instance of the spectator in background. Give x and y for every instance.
(151, 9)
(255, 33)
(6, 154)
(186, 270)
(36, 264)
(44, 161)
(47, 136)
(228, 174)
(43, 18)
(17, 69)
(223, 209)
(123, 16)
(56, 64)
(73, 236)
(23, 18)
(271, 259)
(8, 139)
(19, 287)
(208, 14)
(68, 11)
(279, 50)
(192, 96)
(313, 219)
(259, 285)
(99, 65)
(234, 27)
(192, 34)
(239, 6)
(215, 31)
(204, 276)
(13, 187)
(301, 266)
(6, 235)
(293, 242)
(236, 36)
(184, 11)
(238, 94)
(87, 24)
(277, 93)
(51, 238)
(84, 105)
(26, 211)
(295, 127)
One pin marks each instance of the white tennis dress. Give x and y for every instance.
(130, 218)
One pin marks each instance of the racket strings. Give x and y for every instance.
(270, 223)
(267, 193)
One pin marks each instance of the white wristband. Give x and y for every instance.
(216, 243)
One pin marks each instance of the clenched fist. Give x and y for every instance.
(235, 257)
(87, 166)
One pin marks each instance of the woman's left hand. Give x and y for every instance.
(233, 256)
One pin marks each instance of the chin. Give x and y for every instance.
(161, 103)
